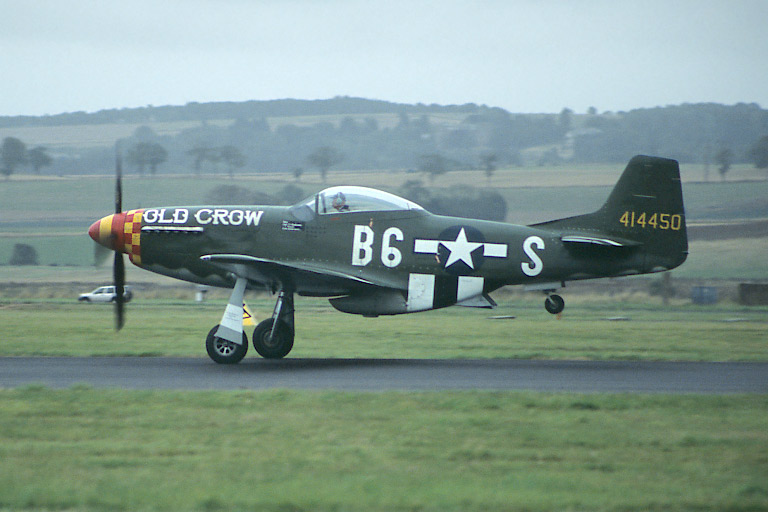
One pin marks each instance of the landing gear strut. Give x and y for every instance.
(554, 304)
(273, 337)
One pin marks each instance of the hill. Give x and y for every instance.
(280, 135)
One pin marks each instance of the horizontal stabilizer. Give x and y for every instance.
(594, 240)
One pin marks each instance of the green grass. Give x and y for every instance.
(740, 258)
(94, 450)
(52, 250)
(48, 328)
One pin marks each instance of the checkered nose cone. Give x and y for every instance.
(120, 232)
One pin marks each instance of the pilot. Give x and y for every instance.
(340, 202)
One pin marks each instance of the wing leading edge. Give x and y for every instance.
(300, 276)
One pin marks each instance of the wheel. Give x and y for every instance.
(223, 351)
(278, 346)
(554, 304)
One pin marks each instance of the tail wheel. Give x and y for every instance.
(554, 304)
(271, 345)
(224, 351)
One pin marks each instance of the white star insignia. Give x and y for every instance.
(461, 250)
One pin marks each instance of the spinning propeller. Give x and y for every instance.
(108, 232)
(118, 268)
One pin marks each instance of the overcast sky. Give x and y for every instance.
(525, 56)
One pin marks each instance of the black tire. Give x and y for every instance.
(554, 304)
(223, 351)
(277, 347)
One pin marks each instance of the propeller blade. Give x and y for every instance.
(118, 270)
(118, 182)
(119, 277)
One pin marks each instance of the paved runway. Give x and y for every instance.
(386, 374)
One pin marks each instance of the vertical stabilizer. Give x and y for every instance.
(645, 210)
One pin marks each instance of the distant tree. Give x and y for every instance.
(415, 191)
(297, 173)
(144, 134)
(13, 153)
(371, 124)
(550, 157)
(38, 158)
(488, 161)
(565, 120)
(724, 158)
(758, 153)
(348, 126)
(233, 194)
(233, 159)
(23, 254)
(433, 165)
(324, 158)
(201, 154)
(291, 194)
(146, 154)
(592, 111)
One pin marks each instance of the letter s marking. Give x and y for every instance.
(535, 266)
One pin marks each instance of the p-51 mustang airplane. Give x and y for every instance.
(373, 253)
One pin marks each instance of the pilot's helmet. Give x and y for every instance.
(339, 201)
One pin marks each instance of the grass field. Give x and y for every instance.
(646, 332)
(109, 450)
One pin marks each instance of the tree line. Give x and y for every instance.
(478, 137)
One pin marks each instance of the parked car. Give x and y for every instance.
(104, 294)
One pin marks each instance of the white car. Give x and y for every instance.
(104, 294)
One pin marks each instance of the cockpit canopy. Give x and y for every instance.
(350, 199)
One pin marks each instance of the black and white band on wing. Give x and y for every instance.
(428, 291)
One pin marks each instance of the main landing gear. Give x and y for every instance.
(273, 338)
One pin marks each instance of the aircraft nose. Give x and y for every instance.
(108, 231)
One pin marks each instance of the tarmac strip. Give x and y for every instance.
(386, 374)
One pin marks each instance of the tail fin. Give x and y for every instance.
(645, 210)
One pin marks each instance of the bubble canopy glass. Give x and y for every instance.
(351, 199)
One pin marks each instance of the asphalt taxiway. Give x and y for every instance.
(386, 374)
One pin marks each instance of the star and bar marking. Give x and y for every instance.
(460, 249)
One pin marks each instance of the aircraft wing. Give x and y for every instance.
(300, 274)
